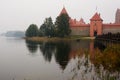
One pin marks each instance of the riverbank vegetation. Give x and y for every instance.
(105, 63)
(109, 58)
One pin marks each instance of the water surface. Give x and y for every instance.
(26, 60)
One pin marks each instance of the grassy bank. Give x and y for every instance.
(57, 39)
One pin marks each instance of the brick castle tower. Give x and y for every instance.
(96, 25)
(117, 17)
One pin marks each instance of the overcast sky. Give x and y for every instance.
(19, 14)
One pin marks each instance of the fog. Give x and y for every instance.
(19, 14)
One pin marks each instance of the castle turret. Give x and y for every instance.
(81, 21)
(64, 11)
(117, 17)
(96, 25)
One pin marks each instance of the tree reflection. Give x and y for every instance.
(62, 54)
(47, 49)
(104, 64)
(99, 45)
(60, 50)
(32, 46)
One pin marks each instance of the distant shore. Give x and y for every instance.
(57, 39)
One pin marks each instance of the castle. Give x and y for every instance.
(95, 27)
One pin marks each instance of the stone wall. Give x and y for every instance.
(111, 28)
(82, 31)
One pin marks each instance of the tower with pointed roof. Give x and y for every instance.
(64, 11)
(96, 25)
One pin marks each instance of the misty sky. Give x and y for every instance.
(19, 14)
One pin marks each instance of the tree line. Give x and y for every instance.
(49, 29)
(60, 51)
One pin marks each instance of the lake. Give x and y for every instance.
(73, 60)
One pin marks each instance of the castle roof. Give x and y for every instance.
(64, 11)
(82, 21)
(96, 17)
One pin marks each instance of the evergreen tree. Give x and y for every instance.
(47, 28)
(42, 30)
(62, 25)
(32, 31)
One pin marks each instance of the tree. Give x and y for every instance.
(42, 30)
(32, 31)
(47, 28)
(62, 25)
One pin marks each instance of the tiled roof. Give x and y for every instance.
(63, 11)
(96, 17)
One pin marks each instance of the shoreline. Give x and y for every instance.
(57, 39)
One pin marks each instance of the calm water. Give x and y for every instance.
(25, 60)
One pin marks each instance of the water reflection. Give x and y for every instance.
(93, 60)
(47, 49)
(99, 45)
(32, 46)
(62, 54)
(60, 50)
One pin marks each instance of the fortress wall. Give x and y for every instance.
(83, 31)
(111, 28)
